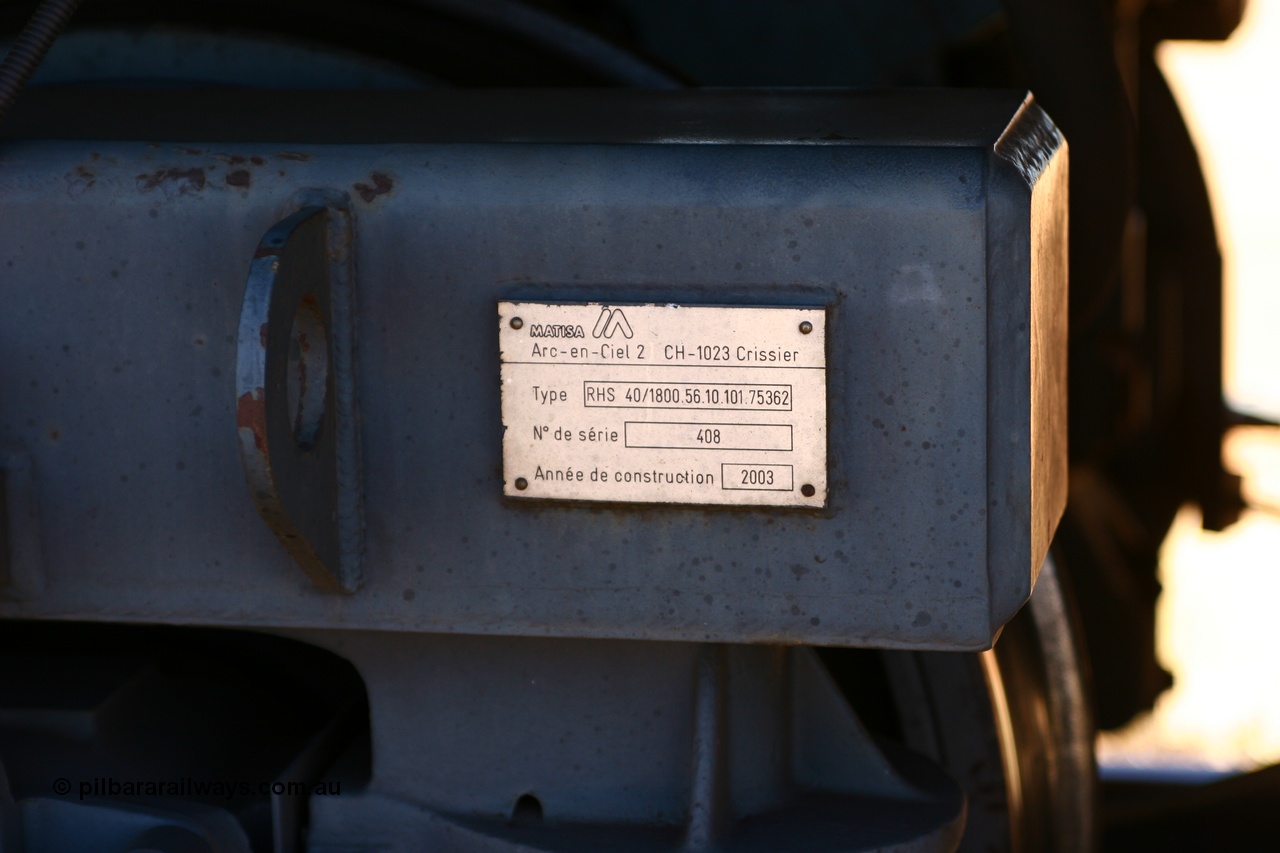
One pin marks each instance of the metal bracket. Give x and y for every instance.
(295, 391)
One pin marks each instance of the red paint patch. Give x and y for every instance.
(251, 414)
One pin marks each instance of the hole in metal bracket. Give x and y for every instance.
(307, 372)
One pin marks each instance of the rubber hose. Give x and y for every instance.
(568, 40)
(1065, 49)
(46, 23)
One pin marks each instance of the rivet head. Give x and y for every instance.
(806, 327)
(517, 323)
(807, 490)
(522, 483)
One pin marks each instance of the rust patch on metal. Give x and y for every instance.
(251, 414)
(294, 155)
(79, 181)
(268, 252)
(262, 335)
(239, 178)
(257, 161)
(174, 181)
(382, 185)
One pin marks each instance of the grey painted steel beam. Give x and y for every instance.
(929, 226)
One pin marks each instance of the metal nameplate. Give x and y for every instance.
(664, 403)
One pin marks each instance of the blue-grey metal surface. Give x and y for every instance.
(625, 746)
(122, 268)
(51, 825)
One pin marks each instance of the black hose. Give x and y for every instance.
(28, 49)
(492, 35)
(546, 31)
(1065, 49)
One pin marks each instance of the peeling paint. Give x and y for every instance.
(173, 182)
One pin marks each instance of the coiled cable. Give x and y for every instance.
(29, 48)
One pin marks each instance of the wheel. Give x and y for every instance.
(1012, 726)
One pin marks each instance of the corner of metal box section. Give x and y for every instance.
(978, 642)
(1019, 160)
(1029, 142)
(335, 634)
(1007, 606)
(330, 635)
(1027, 256)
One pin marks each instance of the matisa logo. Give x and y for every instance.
(555, 330)
(611, 320)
